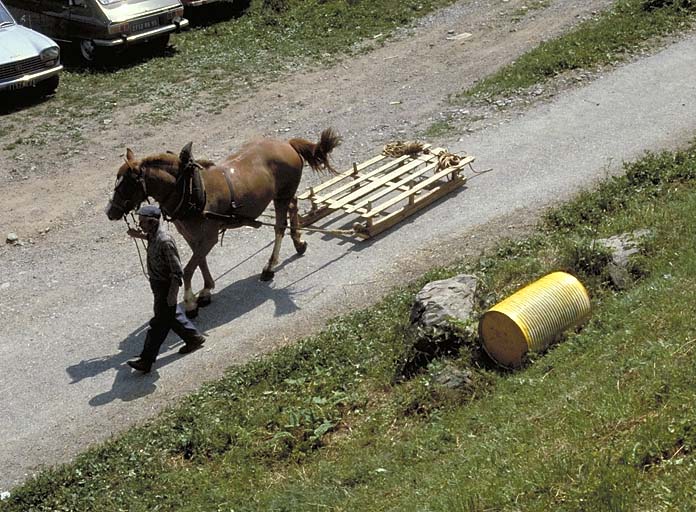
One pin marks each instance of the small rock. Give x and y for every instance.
(622, 247)
(453, 378)
(12, 238)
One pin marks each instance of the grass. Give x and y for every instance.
(602, 421)
(628, 28)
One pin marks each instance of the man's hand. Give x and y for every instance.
(136, 233)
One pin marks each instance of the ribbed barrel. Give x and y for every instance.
(532, 318)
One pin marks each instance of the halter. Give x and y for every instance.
(124, 205)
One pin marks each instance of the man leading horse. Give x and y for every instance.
(165, 273)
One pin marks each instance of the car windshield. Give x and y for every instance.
(5, 18)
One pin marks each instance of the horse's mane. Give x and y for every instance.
(170, 163)
(166, 161)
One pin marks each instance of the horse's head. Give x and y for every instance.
(129, 191)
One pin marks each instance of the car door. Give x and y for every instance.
(53, 18)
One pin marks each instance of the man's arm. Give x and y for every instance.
(175, 272)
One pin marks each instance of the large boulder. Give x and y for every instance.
(441, 324)
(440, 301)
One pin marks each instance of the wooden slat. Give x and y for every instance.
(346, 174)
(404, 195)
(391, 186)
(367, 188)
(350, 185)
(426, 199)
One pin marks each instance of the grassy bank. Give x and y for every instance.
(603, 421)
(627, 29)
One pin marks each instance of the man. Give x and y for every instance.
(165, 272)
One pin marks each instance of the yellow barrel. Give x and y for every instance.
(532, 318)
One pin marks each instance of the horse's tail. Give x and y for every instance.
(317, 155)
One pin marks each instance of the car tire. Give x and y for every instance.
(88, 51)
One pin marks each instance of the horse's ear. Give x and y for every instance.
(185, 156)
(130, 157)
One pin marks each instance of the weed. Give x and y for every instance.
(615, 34)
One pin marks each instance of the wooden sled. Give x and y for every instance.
(383, 190)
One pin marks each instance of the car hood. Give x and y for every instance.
(121, 12)
(18, 43)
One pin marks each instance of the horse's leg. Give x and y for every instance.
(281, 222)
(300, 245)
(199, 260)
(204, 296)
(190, 303)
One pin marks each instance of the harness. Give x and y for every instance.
(191, 190)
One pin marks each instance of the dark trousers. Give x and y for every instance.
(166, 318)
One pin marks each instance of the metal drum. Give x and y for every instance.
(533, 318)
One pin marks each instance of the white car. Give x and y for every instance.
(27, 59)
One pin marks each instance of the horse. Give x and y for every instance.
(236, 192)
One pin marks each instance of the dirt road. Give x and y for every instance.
(75, 303)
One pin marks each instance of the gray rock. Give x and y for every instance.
(622, 247)
(440, 300)
(12, 238)
(453, 378)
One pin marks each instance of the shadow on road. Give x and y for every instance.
(232, 302)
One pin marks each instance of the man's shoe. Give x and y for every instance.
(192, 344)
(141, 365)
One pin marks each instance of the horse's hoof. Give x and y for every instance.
(267, 275)
(301, 248)
(204, 301)
(192, 314)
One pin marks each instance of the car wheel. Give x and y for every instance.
(88, 51)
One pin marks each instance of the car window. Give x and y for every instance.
(5, 17)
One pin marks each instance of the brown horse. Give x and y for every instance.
(237, 191)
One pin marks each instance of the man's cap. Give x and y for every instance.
(150, 210)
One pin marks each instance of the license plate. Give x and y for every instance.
(22, 85)
(139, 26)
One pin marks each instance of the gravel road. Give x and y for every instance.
(76, 304)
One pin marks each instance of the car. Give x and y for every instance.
(98, 26)
(27, 59)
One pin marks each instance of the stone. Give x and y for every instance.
(12, 238)
(453, 378)
(622, 247)
(439, 301)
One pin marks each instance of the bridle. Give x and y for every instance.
(129, 180)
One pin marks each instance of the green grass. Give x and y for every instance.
(628, 28)
(602, 421)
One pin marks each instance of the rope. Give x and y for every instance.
(399, 148)
(336, 232)
(447, 159)
(135, 241)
